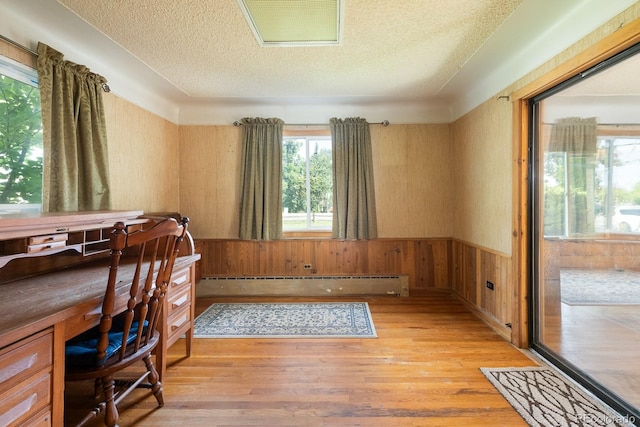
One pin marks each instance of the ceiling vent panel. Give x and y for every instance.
(294, 22)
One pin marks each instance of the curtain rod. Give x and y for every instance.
(105, 87)
(238, 123)
(18, 45)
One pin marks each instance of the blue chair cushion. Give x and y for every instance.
(81, 350)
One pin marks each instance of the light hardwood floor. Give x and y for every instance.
(422, 370)
(603, 341)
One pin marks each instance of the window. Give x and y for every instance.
(618, 193)
(307, 182)
(612, 184)
(20, 138)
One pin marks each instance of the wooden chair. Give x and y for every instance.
(123, 339)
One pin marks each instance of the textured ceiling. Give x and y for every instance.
(399, 49)
(406, 61)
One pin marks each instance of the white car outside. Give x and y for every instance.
(627, 219)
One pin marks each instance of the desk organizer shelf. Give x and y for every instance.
(45, 234)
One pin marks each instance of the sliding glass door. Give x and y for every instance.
(585, 228)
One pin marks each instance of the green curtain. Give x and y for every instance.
(574, 135)
(354, 208)
(261, 198)
(76, 163)
(577, 137)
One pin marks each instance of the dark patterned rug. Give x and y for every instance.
(592, 287)
(286, 320)
(547, 399)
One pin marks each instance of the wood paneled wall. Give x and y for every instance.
(472, 267)
(592, 254)
(425, 261)
(604, 253)
(431, 264)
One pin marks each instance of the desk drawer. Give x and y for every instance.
(178, 300)
(87, 319)
(24, 359)
(178, 322)
(179, 280)
(48, 238)
(45, 247)
(24, 400)
(47, 242)
(41, 419)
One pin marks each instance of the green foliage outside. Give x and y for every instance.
(630, 197)
(554, 170)
(20, 143)
(554, 211)
(555, 197)
(321, 179)
(294, 193)
(293, 177)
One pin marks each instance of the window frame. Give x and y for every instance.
(309, 133)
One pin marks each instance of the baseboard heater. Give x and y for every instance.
(303, 286)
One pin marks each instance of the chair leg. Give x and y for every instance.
(91, 415)
(154, 380)
(111, 411)
(97, 388)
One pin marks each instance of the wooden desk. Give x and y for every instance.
(38, 314)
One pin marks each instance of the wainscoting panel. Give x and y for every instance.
(482, 279)
(615, 252)
(426, 262)
(425, 265)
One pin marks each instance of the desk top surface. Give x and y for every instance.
(34, 303)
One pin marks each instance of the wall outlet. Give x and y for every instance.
(307, 266)
(490, 285)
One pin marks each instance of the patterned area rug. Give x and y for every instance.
(591, 287)
(286, 320)
(544, 398)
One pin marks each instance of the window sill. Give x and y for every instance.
(307, 234)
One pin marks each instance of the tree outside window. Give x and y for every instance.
(307, 183)
(20, 141)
